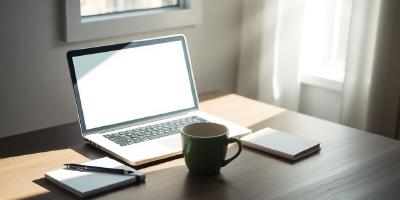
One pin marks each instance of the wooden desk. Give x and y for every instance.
(351, 165)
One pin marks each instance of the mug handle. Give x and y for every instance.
(237, 153)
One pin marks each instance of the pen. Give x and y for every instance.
(99, 169)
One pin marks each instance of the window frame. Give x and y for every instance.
(79, 28)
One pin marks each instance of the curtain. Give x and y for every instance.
(371, 91)
(271, 47)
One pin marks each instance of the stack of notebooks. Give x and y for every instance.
(86, 183)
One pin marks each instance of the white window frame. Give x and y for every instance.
(79, 28)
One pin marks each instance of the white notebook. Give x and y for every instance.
(281, 144)
(83, 183)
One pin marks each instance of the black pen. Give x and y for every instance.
(99, 169)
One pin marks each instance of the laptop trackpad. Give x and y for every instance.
(151, 150)
(172, 142)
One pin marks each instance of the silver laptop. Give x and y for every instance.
(133, 98)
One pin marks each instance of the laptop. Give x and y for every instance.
(133, 98)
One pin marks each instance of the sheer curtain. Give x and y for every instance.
(270, 46)
(270, 60)
(371, 92)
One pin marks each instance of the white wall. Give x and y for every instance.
(320, 102)
(34, 79)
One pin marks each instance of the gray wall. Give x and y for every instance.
(320, 102)
(34, 80)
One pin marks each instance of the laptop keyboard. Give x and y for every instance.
(150, 132)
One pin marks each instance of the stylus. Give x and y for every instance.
(99, 169)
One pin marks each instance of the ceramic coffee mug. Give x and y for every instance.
(204, 147)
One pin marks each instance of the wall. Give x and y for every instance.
(34, 80)
(320, 102)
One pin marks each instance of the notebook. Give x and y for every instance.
(83, 183)
(281, 144)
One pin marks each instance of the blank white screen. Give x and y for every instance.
(132, 83)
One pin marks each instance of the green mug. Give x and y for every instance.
(204, 147)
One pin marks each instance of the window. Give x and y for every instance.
(324, 40)
(92, 19)
(99, 7)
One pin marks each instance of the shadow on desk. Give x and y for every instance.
(50, 139)
(55, 192)
(184, 186)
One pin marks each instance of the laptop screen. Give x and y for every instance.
(132, 82)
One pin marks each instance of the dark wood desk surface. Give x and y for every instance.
(351, 165)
